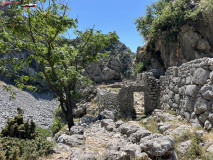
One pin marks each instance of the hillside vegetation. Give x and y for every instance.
(164, 18)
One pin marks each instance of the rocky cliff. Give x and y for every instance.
(194, 40)
(115, 68)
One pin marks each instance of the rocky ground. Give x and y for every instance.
(39, 107)
(106, 140)
(162, 136)
(139, 103)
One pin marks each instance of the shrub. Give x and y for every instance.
(138, 68)
(21, 149)
(16, 127)
(58, 122)
(151, 125)
(165, 17)
(21, 140)
(195, 150)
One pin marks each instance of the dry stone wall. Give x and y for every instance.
(120, 97)
(188, 90)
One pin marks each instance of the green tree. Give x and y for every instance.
(164, 18)
(40, 30)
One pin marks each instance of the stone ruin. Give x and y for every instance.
(120, 96)
(187, 90)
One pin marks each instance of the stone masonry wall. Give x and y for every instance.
(188, 90)
(152, 92)
(120, 97)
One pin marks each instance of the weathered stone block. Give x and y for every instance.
(203, 117)
(200, 106)
(191, 90)
(188, 104)
(200, 76)
(208, 95)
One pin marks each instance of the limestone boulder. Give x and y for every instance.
(210, 117)
(211, 76)
(110, 127)
(80, 154)
(108, 74)
(140, 133)
(183, 146)
(200, 76)
(77, 130)
(117, 155)
(157, 144)
(210, 148)
(110, 114)
(106, 122)
(208, 125)
(188, 104)
(162, 127)
(124, 128)
(191, 90)
(203, 117)
(73, 140)
(200, 106)
(118, 123)
(205, 88)
(208, 95)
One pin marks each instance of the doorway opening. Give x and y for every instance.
(139, 105)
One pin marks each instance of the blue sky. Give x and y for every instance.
(111, 15)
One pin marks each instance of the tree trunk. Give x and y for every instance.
(70, 105)
(70, 118)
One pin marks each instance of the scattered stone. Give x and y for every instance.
(106, 122)
(210, 148)
(141, 132)
(118, 123)
(110, 114)
(118, 155)
(110, 127)
(124, 128)
(207, 125)
(77, 130)
(73, 140)
(208, 95)
(178, 131)
(183, 146)
(162, 127)
(50, 139)
(200, 106)
(200, 133)
(157, 144)
(62, 147)
(79, 154)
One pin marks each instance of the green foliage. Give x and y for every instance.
(40, 31)
(58, 123)
(195, 150)
(21, 140)
(44, 132)
(151, 125)
(10, 89)
(16, 127)
(165, 17)
(21, 149)
(138, 68)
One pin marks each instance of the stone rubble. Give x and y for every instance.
(105, 139)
